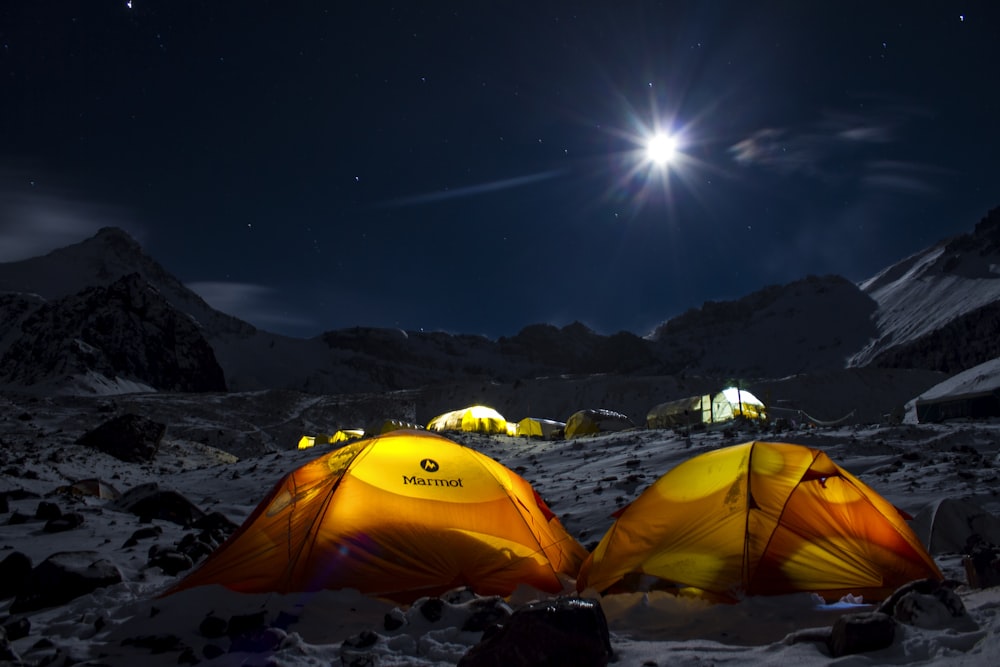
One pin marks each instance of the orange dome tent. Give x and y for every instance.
(760, 518)
(400, 516)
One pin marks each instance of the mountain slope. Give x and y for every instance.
(936, 301)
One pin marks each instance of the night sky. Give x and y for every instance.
(476, 167)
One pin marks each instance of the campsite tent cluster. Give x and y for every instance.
(725, 406)
(411, 513)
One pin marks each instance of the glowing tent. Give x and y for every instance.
(586, 422)
(533, 427)
(474, 419)
(724, 406)
(760, 518)
(399, 516)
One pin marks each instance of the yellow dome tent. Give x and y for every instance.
(760, 518)
(473, 419)
(587, 422)
(534, 427)
(399, 516)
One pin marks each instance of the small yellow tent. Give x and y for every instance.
(399, 516)
(307, 441)
(473, 419)
(586, 422)
(761, 518)
(346, 435)
(534, 427)
(394, 425)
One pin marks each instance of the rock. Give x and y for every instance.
(14, 571)
(145, 533)
(259, 641)
(67, 521)
(929, 604)
(981, 562)
(64, 576)
(47, 511)
(17, 628)
(130, 438)
(565, 631)
(486, 613)
(168, 559)
(862, 632)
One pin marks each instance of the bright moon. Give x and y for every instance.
(660, 149)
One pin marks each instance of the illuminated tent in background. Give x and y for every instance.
(398, 516)
(307, 441)
(586, 422)
(474, 419)
(760, 518)
(533, 427)
(724, 406)
(733, 402)
(346, 435)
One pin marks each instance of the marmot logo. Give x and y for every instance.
(430, 465)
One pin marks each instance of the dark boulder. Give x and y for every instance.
(130, 438)
(554, 633)
(65, 576)
(862, 632)
(14, 571)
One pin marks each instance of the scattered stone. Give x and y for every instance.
(63, 523)
(130, 438)
(394, 619)
(486, 613)
(156, 643)
(17, 518)
(258, 641)
(862, 632)
(564, 631)
(245, 624)
(432, 609)
(169, 559)
(14, 572)
(17, 628)
(65, 576)
(144, 533)
(47, 511)
(212, 626)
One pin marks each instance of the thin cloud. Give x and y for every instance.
(473, 190)
(818, 148)
(906, 177)
(31, 226)
(256, 304)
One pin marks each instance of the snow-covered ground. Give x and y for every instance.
(584, 480)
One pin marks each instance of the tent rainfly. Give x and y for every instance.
(473, 419)
(759, 518)
(399, 516)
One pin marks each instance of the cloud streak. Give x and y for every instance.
(472, 190)
(838, 147)
(249, 302)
